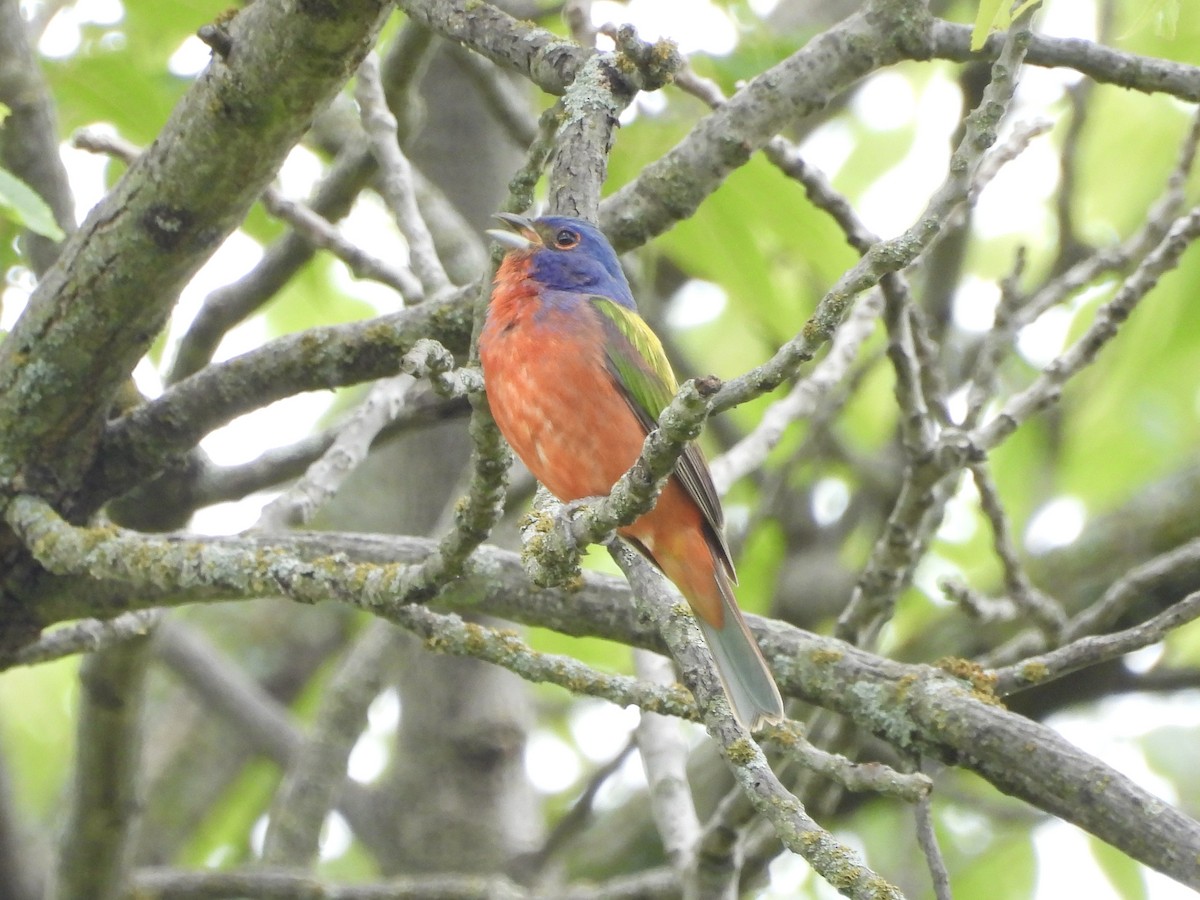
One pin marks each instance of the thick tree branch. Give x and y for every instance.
(104, 805)
(350, 171)
(96, 311)
(787, 92)
(142, 443)
(286, 884)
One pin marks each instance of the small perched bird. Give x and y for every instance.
(576, 380)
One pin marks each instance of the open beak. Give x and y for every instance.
(521, 237)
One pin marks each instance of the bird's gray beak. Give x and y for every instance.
(523, 236)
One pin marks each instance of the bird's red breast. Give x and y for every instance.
(550, 390)
(557, 404)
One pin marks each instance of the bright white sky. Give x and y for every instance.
(886, 101)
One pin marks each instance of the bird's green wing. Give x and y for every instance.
(639, 367)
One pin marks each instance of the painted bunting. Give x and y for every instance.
(576, 379)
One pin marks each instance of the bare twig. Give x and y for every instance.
(396, 180)
(923, 810)
(751, 451)
(85, 636)
(575, 819)
(1046, 389)
(1089, 651)
(307, 222)
(664, 755)
(320, 233)
(300, 502)
(1044, 611)
(929, 480)
(1016, 311)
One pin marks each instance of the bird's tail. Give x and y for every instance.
(748, 683)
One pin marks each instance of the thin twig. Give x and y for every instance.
(1015, 311)
(1044, 611)
(396, 180)
(1047, 388)
(1095, 649)
(927, 839)
(931, 476)
(84, 636)
(428, 358)
(803, 400)
(575, 819)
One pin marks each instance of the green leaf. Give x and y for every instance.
(1171, 753)
(1164, 14)
(1123, 873)
(987, 17)
(19, 203)
(993, 14)
(1007, 870)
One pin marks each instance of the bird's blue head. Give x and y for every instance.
(566, 254)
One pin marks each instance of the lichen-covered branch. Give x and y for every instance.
(1094, 649)
(555, 538)
(917, 708)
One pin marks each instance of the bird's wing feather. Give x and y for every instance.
(641, 371)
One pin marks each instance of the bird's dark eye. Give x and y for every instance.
(566, 239)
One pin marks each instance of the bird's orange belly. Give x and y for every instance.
(558, 407)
